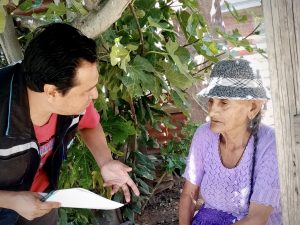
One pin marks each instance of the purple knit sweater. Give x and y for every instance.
(228, 189)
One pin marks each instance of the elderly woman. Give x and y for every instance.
(232, 159)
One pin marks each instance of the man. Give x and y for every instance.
(43, 101)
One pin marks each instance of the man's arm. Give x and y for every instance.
(94, 138)
(114, 173)
(258, 215)
(26, 204)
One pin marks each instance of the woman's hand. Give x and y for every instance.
(187, 204)
(258, 215)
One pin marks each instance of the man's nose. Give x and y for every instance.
(94, 93)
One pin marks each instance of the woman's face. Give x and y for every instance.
(227, 115)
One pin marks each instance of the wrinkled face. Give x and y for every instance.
(81, 95)
(227, 115)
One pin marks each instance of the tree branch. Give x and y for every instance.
(29, 22)
(138, 26)
(96, 22)
(9, 42)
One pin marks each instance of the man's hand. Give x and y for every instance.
(29, 205)
(115, 174)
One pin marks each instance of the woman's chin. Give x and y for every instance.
(216, 127)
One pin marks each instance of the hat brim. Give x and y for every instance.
(237, 93)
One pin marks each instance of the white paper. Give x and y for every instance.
(82, 198)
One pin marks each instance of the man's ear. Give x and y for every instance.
(50, 91)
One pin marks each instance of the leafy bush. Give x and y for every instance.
(175, 152)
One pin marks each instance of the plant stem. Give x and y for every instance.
(133, 144)
(188, 44)
(154, 189)
(138, 26)
(252, 32)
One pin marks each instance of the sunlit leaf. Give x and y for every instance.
(79, 7)
(57, 10)
(2, 19)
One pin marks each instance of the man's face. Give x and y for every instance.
(81, 95)
(227, 115)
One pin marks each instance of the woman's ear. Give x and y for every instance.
(256, 106)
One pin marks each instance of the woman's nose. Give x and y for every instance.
(212, 110)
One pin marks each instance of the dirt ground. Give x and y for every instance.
(162, 208)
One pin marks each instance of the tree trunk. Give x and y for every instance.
(9, 42)
(282, 22)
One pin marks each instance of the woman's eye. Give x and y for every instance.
(224, 102)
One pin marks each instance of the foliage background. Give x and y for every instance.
(144, 69)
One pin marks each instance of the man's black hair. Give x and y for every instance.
(54, 54)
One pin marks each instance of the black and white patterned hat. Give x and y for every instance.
(234, 79)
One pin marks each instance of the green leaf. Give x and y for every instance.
(79, 7)
(28, 5)
(56, 10)
(2, 19)
(101, 105)
(152, 143)
(63, 217)
(118, 128)
(212, 46)
(156, 24)
(132, 47)
(143, 186)
(128, 213)
(193, 23)
(175, 78)
(136, 206)
(145, 172)
(143, 64)
(145, 4)
(131, 81)
(140, 13)
(171, 48)
(183, 55)
(183, 17)
(115, 151)
(118, 54)
(180, 101)
(234, 13)
(190, 3)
